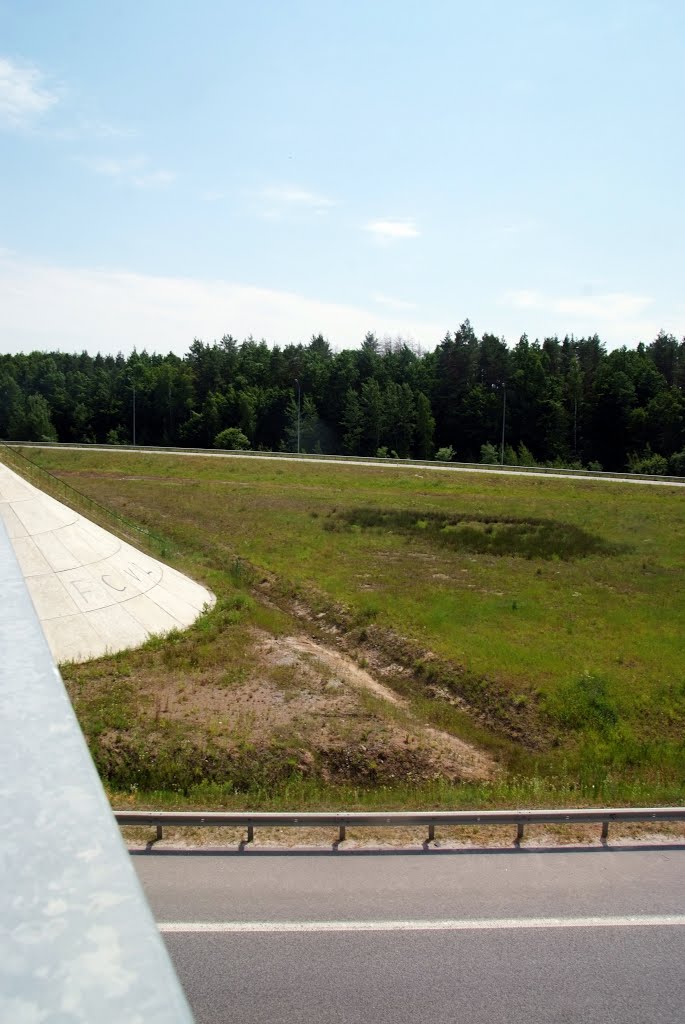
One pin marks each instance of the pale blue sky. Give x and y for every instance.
(171, 170)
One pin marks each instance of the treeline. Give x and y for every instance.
(562, 402)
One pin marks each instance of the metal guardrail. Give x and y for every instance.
(371, 460)
(77, 940)
(400, 819)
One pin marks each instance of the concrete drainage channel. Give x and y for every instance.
(431, 821)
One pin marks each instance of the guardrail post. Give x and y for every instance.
(250, 833)
(605, 831)
(431, 833)
(159, 832)
(519, 833)
(342, 832)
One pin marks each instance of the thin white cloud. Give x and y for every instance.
(211, 195)
(86, 129)
(107, 130)
(153, 179)
(51, 307)
(291, 196)
(24, 95)
(392, 230)
(111, 167)
(391, 303)
(610, 306)
(133, 171)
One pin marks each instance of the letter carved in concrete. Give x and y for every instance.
(109, 582)
(85, 588)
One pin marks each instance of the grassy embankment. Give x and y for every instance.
(542, 620)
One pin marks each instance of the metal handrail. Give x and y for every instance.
(430, 819)
(80, 942)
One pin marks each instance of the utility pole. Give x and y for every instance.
(134, 413)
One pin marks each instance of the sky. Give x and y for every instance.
(282, 168)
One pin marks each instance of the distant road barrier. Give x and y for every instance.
(370, 460)
(400, 819)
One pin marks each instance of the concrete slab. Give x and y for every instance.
(172, 603)
(50, 599)
(85, 589)
(182, 587)
(93, 593)
(72, 638)
(39, 517)
(117, 628)
(156, 620)
(13, 488)
(9, 517)
(31, 560)
(59, 557)
(80, 545)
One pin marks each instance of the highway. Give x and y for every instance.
(390, 937)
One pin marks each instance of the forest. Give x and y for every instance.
(557, 402)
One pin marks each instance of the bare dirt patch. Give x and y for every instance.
(450, 752)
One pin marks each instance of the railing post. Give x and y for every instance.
(342, 832)
(431, 833)
(519, 833)
(605, 831)
(250, 833)
(159, 832)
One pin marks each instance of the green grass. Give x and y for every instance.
(554, 608)
(534, 790)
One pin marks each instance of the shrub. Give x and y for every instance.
(525, 456)
(232, 438)
(445, 454)
(649, 463)
(676, 464)
(489, 456)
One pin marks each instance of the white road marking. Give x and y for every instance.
(463, 925)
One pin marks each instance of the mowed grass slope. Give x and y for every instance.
(543, 618)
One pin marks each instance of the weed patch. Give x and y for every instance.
(483, 534)
(583, 704)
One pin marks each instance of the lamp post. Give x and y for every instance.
(504, 418)
(299, 404)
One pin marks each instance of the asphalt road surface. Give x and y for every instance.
(482, 937)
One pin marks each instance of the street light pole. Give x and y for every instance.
(299, 403)
(504, 417)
